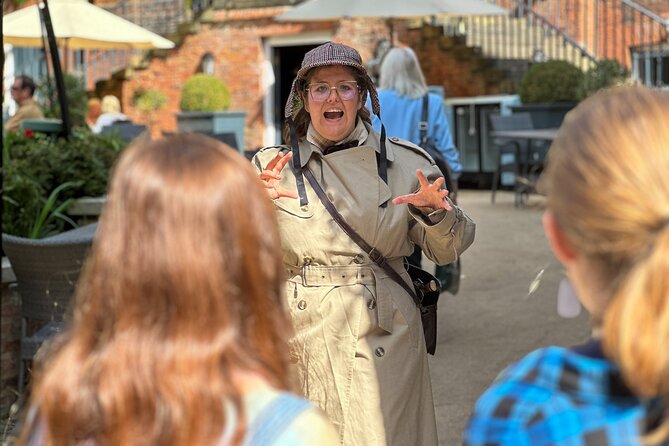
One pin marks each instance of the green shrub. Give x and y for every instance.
(204, 92)
(551, 81)
(150, 100)
(606, 73)
(76, 98)
(37, 166)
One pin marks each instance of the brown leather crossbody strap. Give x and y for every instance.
(372, 252)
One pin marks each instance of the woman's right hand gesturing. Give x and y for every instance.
(271, 175)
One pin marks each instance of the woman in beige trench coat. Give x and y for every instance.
(359, 348)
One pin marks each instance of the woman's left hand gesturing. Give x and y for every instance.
(429, 197)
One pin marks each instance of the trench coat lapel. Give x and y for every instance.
(352, 171)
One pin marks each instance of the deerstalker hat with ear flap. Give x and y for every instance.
(329, 54)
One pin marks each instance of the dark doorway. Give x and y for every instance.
(287, 60)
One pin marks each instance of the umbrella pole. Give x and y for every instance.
(57, 70)
(49, 87)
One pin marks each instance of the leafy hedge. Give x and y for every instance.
(77, 99)
(606, 73)
(551, 81)
(35, 166)
(560, 81)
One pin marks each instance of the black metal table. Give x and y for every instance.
(533, 162)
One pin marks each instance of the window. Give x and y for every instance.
(208, 64)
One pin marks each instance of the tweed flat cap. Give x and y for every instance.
(329, 54)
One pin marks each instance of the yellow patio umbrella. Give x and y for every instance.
(78, 24)
(74, 24)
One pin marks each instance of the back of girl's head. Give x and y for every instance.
(400, 71)
(607, 183)
(182, 290)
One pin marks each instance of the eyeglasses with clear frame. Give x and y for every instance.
(320, 91)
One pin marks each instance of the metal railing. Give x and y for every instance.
(579, 31)
(160, 16)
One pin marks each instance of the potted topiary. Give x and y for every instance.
(548, 91)
(205, 100)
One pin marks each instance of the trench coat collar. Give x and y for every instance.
(308, 149)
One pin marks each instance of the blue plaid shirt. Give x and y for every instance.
(559, 396)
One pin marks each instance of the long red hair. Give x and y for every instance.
(182, 290)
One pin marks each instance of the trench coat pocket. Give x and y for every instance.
(292, 206)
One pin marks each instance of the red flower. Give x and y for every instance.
(28, 133)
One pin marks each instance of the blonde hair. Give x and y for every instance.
(400, 71)
(110, 104)
(183, 291)
(607, 183)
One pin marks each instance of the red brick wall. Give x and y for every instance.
(459, 69)
(237, 48)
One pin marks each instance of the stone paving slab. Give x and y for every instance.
(493, 321)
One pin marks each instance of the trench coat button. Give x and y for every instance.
(358, 259)
(371, 304)
(379, 352)
(301, 305)
(307, 260)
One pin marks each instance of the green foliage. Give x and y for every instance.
(43, 174)
(605, 74)
(76, 98)
(551, 81)
(148, 101)
(48, 213)
(204, 92)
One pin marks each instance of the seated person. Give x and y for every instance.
(607, 221)
(111, 112)
(93, 112)
(23, 90)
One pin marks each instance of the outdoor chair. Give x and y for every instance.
(226, 138)
(127, 130)
(46, 273)
(513, 154)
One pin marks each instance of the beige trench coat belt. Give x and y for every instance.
(343, 275)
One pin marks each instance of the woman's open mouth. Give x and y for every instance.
(334, 114)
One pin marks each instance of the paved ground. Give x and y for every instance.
(493, 321)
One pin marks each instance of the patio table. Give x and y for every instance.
(535, 159)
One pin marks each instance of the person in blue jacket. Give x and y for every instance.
(401, 90)
(402, 87)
